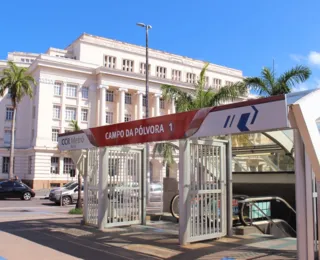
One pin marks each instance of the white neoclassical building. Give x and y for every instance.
(95, 81)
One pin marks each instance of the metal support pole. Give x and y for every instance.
(143, 187)
(229, 187)
(147, 166)
(184, 189)
(301, 209)
(309, 207)
(103, 188)
(147, 113)
(85, 183)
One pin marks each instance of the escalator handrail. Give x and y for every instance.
(255, 199)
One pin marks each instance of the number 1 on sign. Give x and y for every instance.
(171, 127)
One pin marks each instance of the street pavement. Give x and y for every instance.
(39, 229)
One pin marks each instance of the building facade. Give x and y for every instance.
(96, 81)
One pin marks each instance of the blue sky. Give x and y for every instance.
(246, 34)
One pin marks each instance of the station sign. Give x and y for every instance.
(265, 114)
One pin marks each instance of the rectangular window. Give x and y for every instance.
(143, 68)
(109, 96)
(191, 78)
(109, 117)
(71, 90)
(217, 83)
(54, 135)
(110, 62)
(57, 88)
(84, 115)
(127, 117)
(71, 113)
(161, 72)
(7, 137)
(56, 112)
(32, 134)
(9, 113)
(176, 75)
(54, 165)
(67, 165)
(162, 103)
(85, 92)
(5, 164)
(128, 99)
(144, 100)
(206, 81)
(228, 83)
(127, 65)
(29, 164)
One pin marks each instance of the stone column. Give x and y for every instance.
(102, 104)
(63, 106)
(122, 92)
(140, 104)
(157, 104)
(78, 116)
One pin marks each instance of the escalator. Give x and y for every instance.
(267, 215)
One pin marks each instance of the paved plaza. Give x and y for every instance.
(40, 230)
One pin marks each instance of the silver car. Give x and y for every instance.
(59, 188)
(66, 196)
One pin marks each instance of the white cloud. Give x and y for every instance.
(297, 57)
(307, 86)
(314, 58)
(301, 87)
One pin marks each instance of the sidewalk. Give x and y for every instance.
(65, 238)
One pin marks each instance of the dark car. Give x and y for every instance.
(15, 189)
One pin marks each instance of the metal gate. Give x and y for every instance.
(91, 187)
(206, 191)
(124, 186)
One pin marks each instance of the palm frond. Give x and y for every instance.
(166, 151)
(183, 100)
(293, 76)
(74, 125)
(257, 85)
(268, 78)
(228, 93)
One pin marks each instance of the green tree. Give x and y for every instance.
(197, 98)
(75, 127)
(19, 84)
(270, 85)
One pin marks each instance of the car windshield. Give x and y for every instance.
(72, 186)
(68, 184)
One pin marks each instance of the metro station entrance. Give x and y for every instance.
(115, 172)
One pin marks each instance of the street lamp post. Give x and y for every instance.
(147, 27)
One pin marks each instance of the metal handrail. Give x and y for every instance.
(252, 201)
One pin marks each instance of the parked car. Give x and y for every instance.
(156, 192)
(16, 189)
(68, 184)
(69, 195)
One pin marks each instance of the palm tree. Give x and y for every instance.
(197, 98)
(75, 127)
(18, 83)
(269, 85)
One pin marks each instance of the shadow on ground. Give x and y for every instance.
(157, 241)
